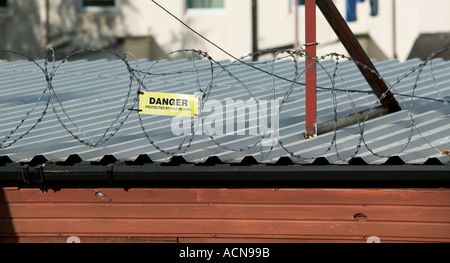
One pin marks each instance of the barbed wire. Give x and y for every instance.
(208, 75)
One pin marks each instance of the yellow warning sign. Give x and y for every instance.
(170, 104)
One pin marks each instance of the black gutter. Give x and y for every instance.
(226, 175)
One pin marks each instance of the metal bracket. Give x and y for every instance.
(33, 174)
(311, 44)
(110, 173)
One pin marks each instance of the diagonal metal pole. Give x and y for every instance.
(355, 50)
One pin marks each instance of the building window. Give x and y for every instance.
(301, 3)
(97, 5)
(4, 3)
(192, 4)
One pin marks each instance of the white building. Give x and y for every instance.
(145, 29)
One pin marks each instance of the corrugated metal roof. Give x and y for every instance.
(37, 120)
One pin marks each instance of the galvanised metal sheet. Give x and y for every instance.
(88, 108)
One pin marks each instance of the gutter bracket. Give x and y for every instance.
(110, 173)
(33, 174)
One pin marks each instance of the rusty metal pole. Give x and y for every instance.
(355, 50)
(310, 74)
